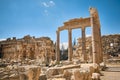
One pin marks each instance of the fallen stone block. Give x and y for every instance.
(67, 75)
(42, 77)
(54, 71)
(95, 76)
(34, 73)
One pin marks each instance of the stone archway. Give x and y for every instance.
(94, 23)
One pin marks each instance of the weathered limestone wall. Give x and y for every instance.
(78, 52)
(110, 45)
(28, 47)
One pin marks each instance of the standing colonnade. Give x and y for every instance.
(93, 22)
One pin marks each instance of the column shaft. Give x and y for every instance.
(84, 45)
(96, 36)
(95, 41)
(58, 47)
(101, 54)
(70, 52)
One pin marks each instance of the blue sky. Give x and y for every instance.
(42, 17)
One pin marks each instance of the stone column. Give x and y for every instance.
(70, 52)
(100, 42)
(84, 45)
(95, 41)
(58, 46)
(96, 36)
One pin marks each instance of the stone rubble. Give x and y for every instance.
(28, 49)
(110, 46)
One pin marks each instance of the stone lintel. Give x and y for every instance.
(75, 23)
(78, 21)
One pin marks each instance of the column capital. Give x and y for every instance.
(69, 28)
(57, 31)
(83, 28)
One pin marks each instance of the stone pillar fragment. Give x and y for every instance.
(70, 51)
(84, 45)
(96, 36)
(58, 46)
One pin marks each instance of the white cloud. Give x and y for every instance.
(2, 39)
(64, 44)
(45, 4)
(48, 4)
(51, 3)
(88, 35)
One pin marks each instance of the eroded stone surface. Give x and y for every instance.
(15, 50)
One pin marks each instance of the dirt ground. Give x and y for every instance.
(112, 73)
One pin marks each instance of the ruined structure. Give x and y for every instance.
(28, 48)
(43, 49)
(83, 23)
(78, 51)
(110, 46)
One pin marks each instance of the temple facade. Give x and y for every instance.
(82, 23)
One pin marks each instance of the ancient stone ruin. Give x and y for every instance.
(94, 23)
(28, 48)
(31, 58)
(110, 47)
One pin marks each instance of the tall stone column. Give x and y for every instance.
(96, 36)
(100, 42)
(58, 46)
(94, 42)
(70, 51)
(84, 45)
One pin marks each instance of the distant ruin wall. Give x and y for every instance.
(28, 48)
(110, 45)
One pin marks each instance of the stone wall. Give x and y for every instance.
(28, 48)
(110, 45)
